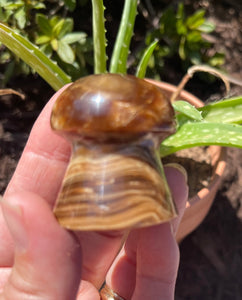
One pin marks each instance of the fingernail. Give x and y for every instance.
(13, 215)
(180, 168)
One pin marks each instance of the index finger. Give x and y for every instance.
(44, 160)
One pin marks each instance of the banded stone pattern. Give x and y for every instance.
(115, 124)
(111, 191)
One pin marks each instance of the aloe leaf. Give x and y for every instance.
(187, 109)
(29, 53)
(99, 39)
(121, 48)
(225, 111)
(141, 69)
(200, 134)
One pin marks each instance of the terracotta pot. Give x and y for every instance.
(198, 206)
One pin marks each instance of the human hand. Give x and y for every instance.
(41, 260)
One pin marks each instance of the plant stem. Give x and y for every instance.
(199, 68)
(121, 49)
(11, 91)
(99, 37)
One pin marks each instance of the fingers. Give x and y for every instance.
(157, 262)
(147, 266)
(44, 160)
(47, 258)
(6, 244)
(177, 179)
(122, 274)
(40, 170)
(87, 291)
(4, 275)
(99, 252)
(38, 252)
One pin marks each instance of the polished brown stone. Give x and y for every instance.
(115, 179)
(112, 106)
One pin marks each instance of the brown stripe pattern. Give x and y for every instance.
(111, 191)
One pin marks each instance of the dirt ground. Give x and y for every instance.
(211, 257)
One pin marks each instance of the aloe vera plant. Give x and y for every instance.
(217, 123)
(214, 124)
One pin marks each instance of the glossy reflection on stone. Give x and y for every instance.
(114, 179)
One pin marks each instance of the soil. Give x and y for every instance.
(193, 159)
(211, 257)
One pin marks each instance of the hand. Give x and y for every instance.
(39, 259)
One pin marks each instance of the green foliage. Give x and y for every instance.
(142, 66)
(187, 110)
(213, 124)
(122, 44)
(182, 36)
(202, 134)
(99, 36)
(30, 54)
(55, 35)
(216, 123)
(70, 4)
(18, 13)
(49, 25)
(226, 111)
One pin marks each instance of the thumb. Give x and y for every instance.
(47, 261)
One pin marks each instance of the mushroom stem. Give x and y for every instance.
(114, 187)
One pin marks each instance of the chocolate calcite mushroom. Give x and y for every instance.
(114, 179)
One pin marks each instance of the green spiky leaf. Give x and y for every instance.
(187, 109)
(121, 48)
(99, 36)
(29, 53)
(199, 134)
(141, 69)
(225, 111)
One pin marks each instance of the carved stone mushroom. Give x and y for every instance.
(115, 179)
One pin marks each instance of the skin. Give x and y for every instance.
(41, 260)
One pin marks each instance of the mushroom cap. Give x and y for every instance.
(112, 106)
